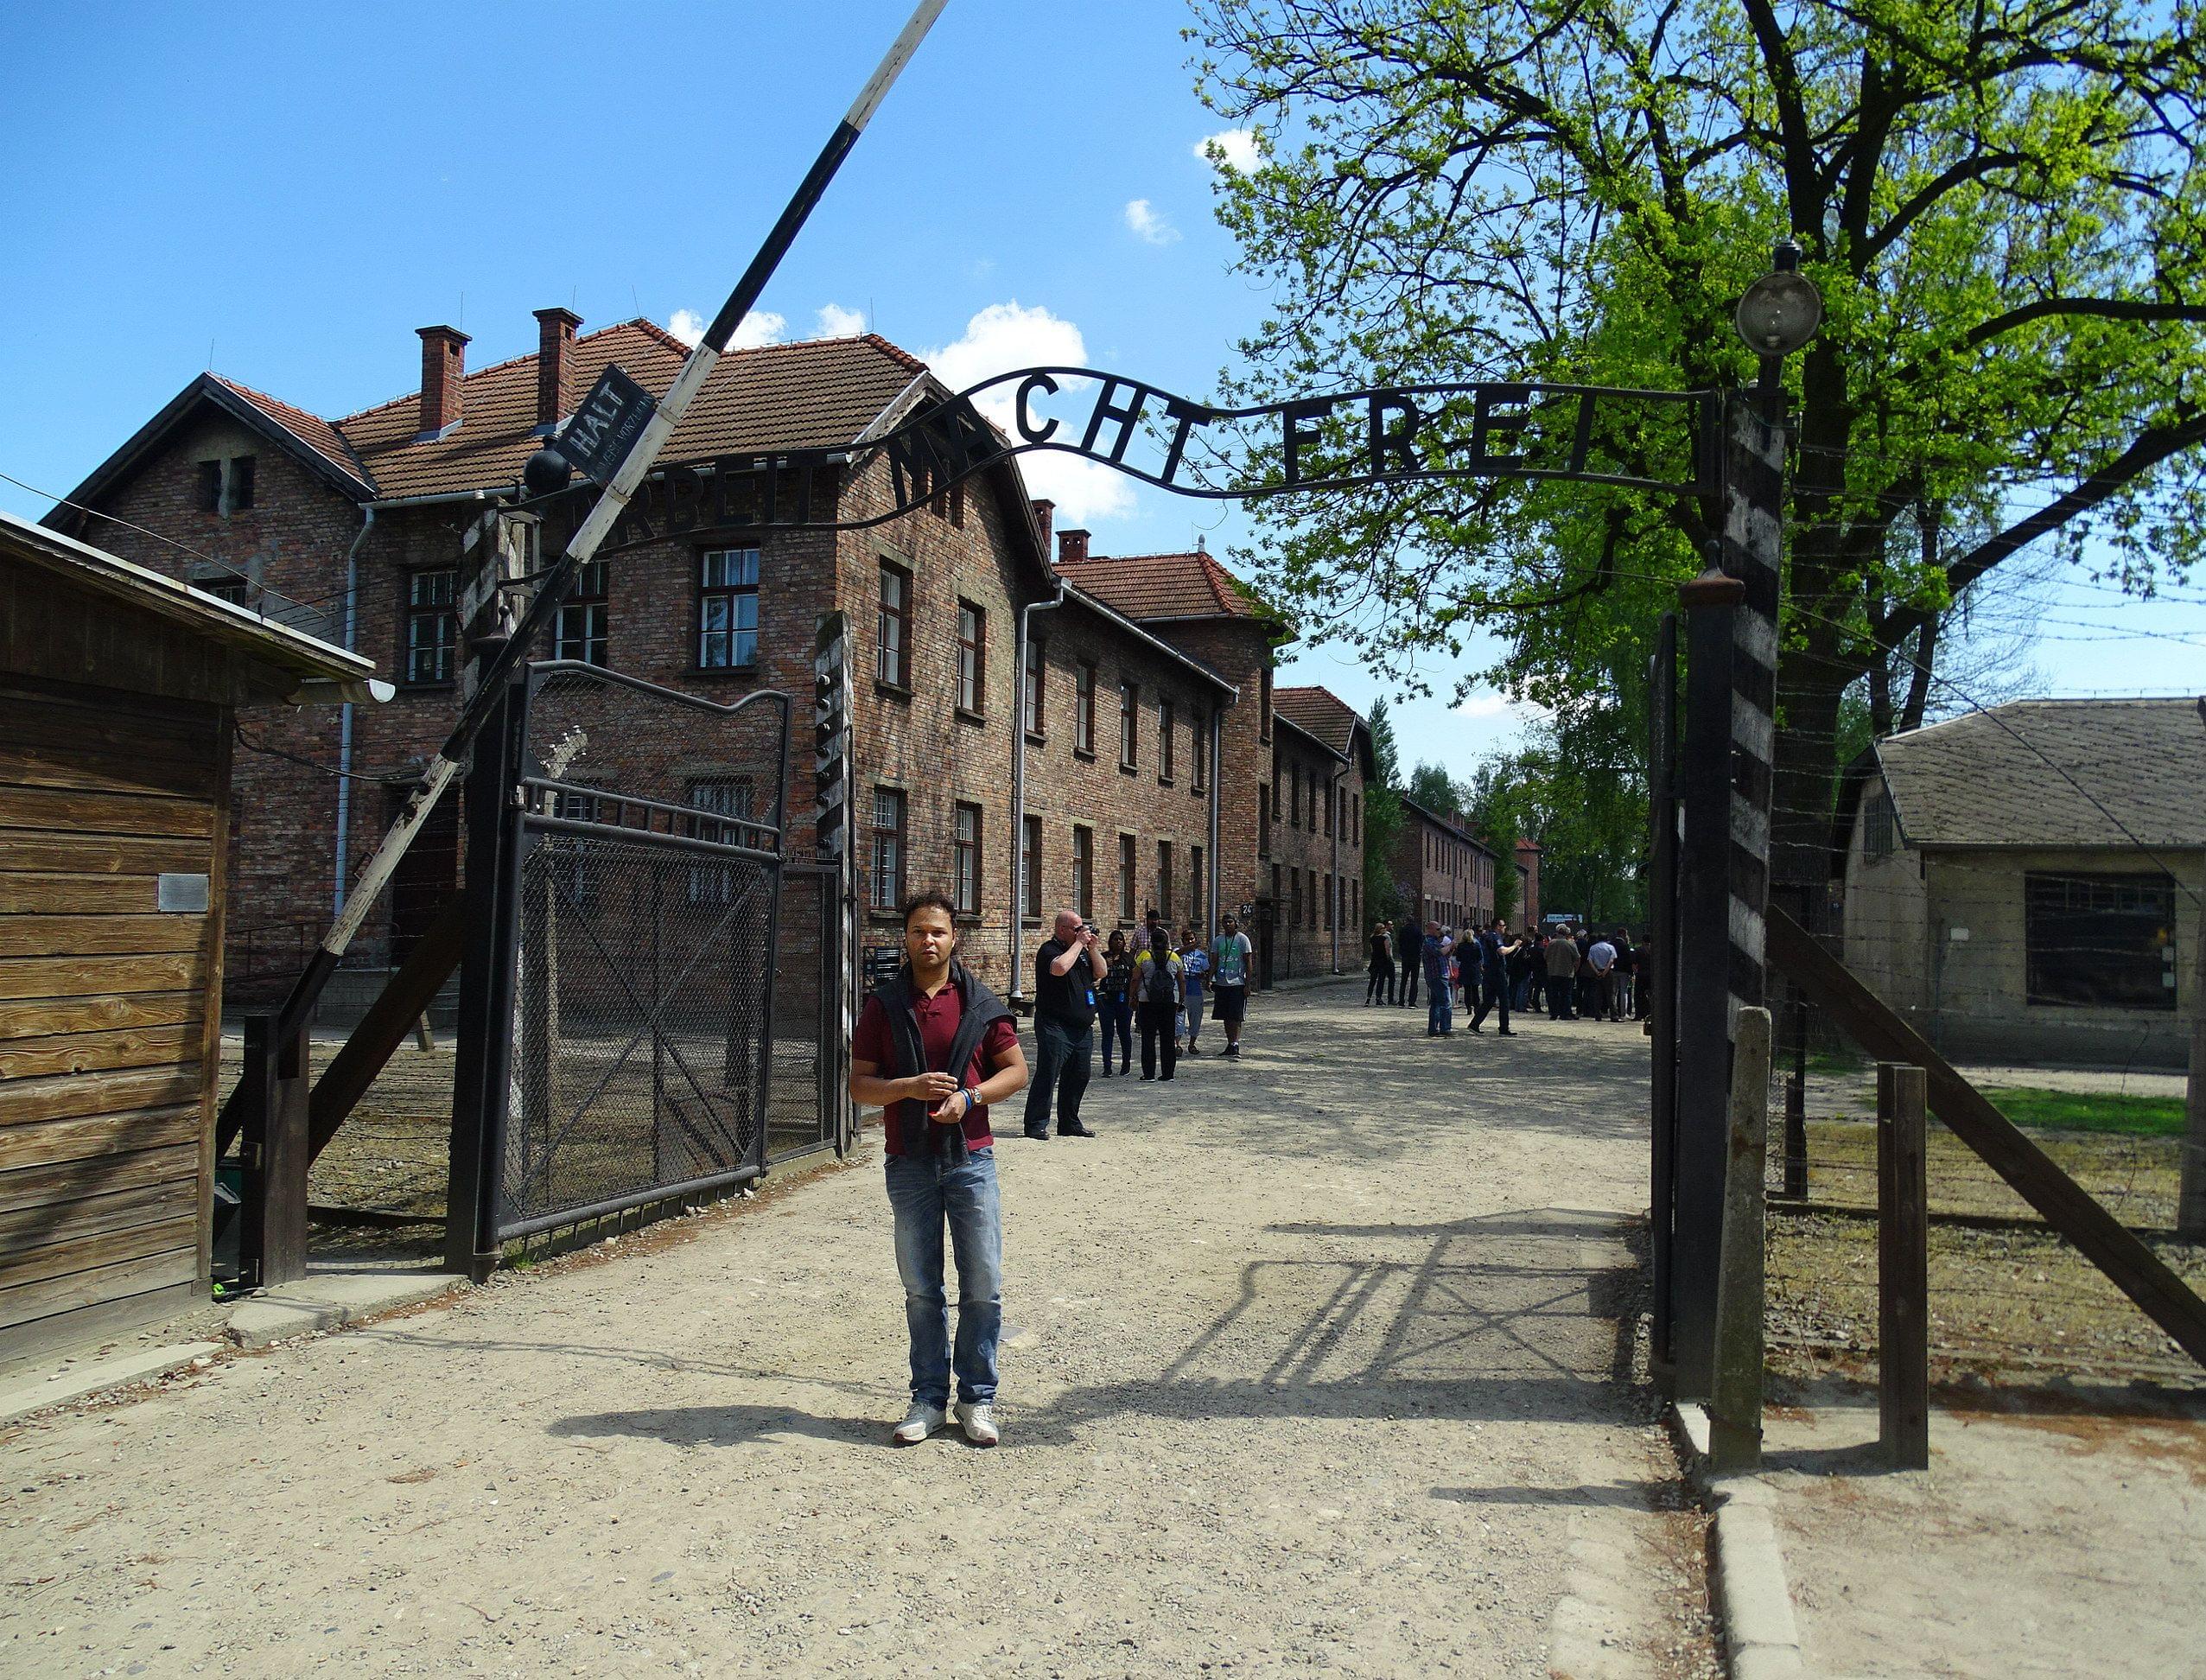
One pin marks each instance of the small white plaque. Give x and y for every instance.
(185, 895)
(1958, 935)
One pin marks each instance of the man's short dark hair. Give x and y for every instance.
(920, 901)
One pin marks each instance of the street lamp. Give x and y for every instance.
(1780, 312)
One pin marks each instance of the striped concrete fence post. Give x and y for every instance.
(1753, 489)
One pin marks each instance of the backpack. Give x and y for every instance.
(1157, 985)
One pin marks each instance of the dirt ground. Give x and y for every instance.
(1322, 1361)
(2057, 1541)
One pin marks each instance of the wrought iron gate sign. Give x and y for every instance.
(1664, 441)
(598, 439)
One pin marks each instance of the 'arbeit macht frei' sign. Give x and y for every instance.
(1656, 440)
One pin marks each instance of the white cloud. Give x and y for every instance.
(1491, 704)
(1147, 223)
(760, 327)
(1004, 336)
(1236, 147)
(835, 322)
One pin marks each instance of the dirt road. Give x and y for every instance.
(1317, 1362)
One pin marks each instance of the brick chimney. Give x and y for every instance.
(1045, 516)
(555, 365)
(444, 364)
(1071, 547)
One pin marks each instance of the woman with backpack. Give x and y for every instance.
(1115, 1003)
(1157, 981)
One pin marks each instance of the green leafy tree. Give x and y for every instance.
(1431, 786)
(2002, 204)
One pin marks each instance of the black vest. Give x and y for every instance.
(983, 1009)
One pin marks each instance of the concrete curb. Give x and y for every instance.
(74, 1383)
(1753, 1600)
(326, 1300)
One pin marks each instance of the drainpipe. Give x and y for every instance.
(1333, 824)
(1018, 786)
(345, 717)
(1217, 779)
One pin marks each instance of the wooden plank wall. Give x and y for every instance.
(110, 1011)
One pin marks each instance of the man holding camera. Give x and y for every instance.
(1067, 970)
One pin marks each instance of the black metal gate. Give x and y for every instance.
(641, 909)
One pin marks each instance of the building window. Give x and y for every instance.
(719, 796)
(727, 609)
(972, 651)
(1876, 836)
(1164, 741)
(1035, 666)
(1083, 709)
(1083, 870)
(432, 627)
(236, 588)
(1264, 800)
(1195, 884)
(1202, 754)
(210, 487)
(1293, 897)
(1264, 702)
(1276, 781)
(966, 861)
(226, 486)
(1294, 798)
(886, 875)
(579, 631)
(1164, 879)
(1332, 797)
(1032, 864)
(239, 489)
(1130, 723)
(1126, 877)
(2102, 940)
(894, 658)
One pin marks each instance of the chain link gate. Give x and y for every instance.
(638, 920)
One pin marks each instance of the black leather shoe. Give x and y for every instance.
(1076, 1130)
(1039, 1136)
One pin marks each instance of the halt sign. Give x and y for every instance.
(612, 416)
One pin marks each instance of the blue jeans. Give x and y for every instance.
(1062, 1061)
(1116, 1015)
(1440, 1016)
(925, 1190)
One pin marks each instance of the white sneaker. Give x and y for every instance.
(919, 1424)
(977, 1419)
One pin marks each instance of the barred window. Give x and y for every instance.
(1083, 868)
(432, 626)
(1164, 741)
(966, 861)
(1032, 864)
(579, 632)
(1130, 723)
(727, 609)
(1126, 884)
(1202, 754)
(1083, 709)
(886, 875)
(2105, 941)
(1164, 879)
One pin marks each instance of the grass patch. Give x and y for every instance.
(2093, 1111)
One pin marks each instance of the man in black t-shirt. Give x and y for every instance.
(1409, 951)
(1067, 970)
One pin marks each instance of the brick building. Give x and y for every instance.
(1528, 883)
(1443, 870)
(1153, 771)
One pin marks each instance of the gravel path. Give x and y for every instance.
(1321, 1362)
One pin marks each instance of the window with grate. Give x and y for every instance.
(1033, 864)
(727, 609)
(227, 586)
(965, 860)
(1164, 741)
(1126, 884)
(1877, 837)
(1083, 709)
(1130, 725)
(972, 652)
(719, 796)
(1164, 879)
(1083, 870)
(432, 627)
(2102, 940)
(1201, 745)
(885, 875)
(893, 644)
(1031, 681)
(579, 631)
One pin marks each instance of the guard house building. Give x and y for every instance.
(1026, 736)
(120, 693)
(2023, 883)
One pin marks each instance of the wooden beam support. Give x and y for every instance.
(1903, 1268)
(2029, 1171)
(404, 998)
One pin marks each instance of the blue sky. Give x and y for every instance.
(287, 192)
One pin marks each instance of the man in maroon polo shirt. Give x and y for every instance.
(932, 1049)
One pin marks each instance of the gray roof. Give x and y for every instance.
(2054, 772)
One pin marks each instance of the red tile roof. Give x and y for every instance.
(1164, 586)
(1318, 712)
(317, 434)
(819, 394)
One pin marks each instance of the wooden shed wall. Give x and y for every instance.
(109, 1007)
